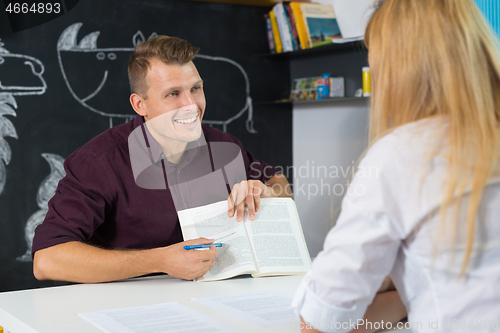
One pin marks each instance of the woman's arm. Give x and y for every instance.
(386, 307)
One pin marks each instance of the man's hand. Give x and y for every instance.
(79, 262)
(248, 193)
(188, 264)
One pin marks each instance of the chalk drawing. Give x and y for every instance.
(7, 105)
(86, 49)
(248, 105)
(46, 191)
(31, 70)
(18, 61)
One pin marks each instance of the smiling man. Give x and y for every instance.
(112, 217)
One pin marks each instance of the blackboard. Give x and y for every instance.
(64, 81)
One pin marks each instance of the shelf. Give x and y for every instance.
(315, 101)
(358, 44)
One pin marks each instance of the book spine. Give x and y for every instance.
(306, 26)
(286, 38)
(270, 37)
(299, 24)
(276, 34)
(293, 30)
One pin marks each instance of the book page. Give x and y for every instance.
(211, 221)
(263, 308)
(277, 239)
(155, 318)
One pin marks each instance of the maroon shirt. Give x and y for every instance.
(98, 201)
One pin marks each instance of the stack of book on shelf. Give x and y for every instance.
(307, 88)
(298, 25)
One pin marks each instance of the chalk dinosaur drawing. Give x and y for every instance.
(87, 84)
(46, 191)
(7, 103)
(28, 80)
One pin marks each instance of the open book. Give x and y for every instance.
(272, 244)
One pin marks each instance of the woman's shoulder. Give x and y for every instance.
(412, 143)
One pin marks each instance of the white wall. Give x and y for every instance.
(331, 136)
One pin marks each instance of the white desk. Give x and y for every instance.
(54, 310)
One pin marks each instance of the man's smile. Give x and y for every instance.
(186, 121)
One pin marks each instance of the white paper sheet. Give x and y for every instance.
(264, 308)
(353, 16)
(346, 40)
(158, 318)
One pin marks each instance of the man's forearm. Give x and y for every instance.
(280, 186)
(79, 262)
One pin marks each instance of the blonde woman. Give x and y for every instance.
(430, 217)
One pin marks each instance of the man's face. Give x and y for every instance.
(175, 101)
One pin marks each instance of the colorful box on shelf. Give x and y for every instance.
(307, 88)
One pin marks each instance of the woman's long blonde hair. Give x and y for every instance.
(432, 58)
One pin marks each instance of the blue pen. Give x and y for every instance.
(201, 246)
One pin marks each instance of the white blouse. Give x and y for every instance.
(389, 225)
